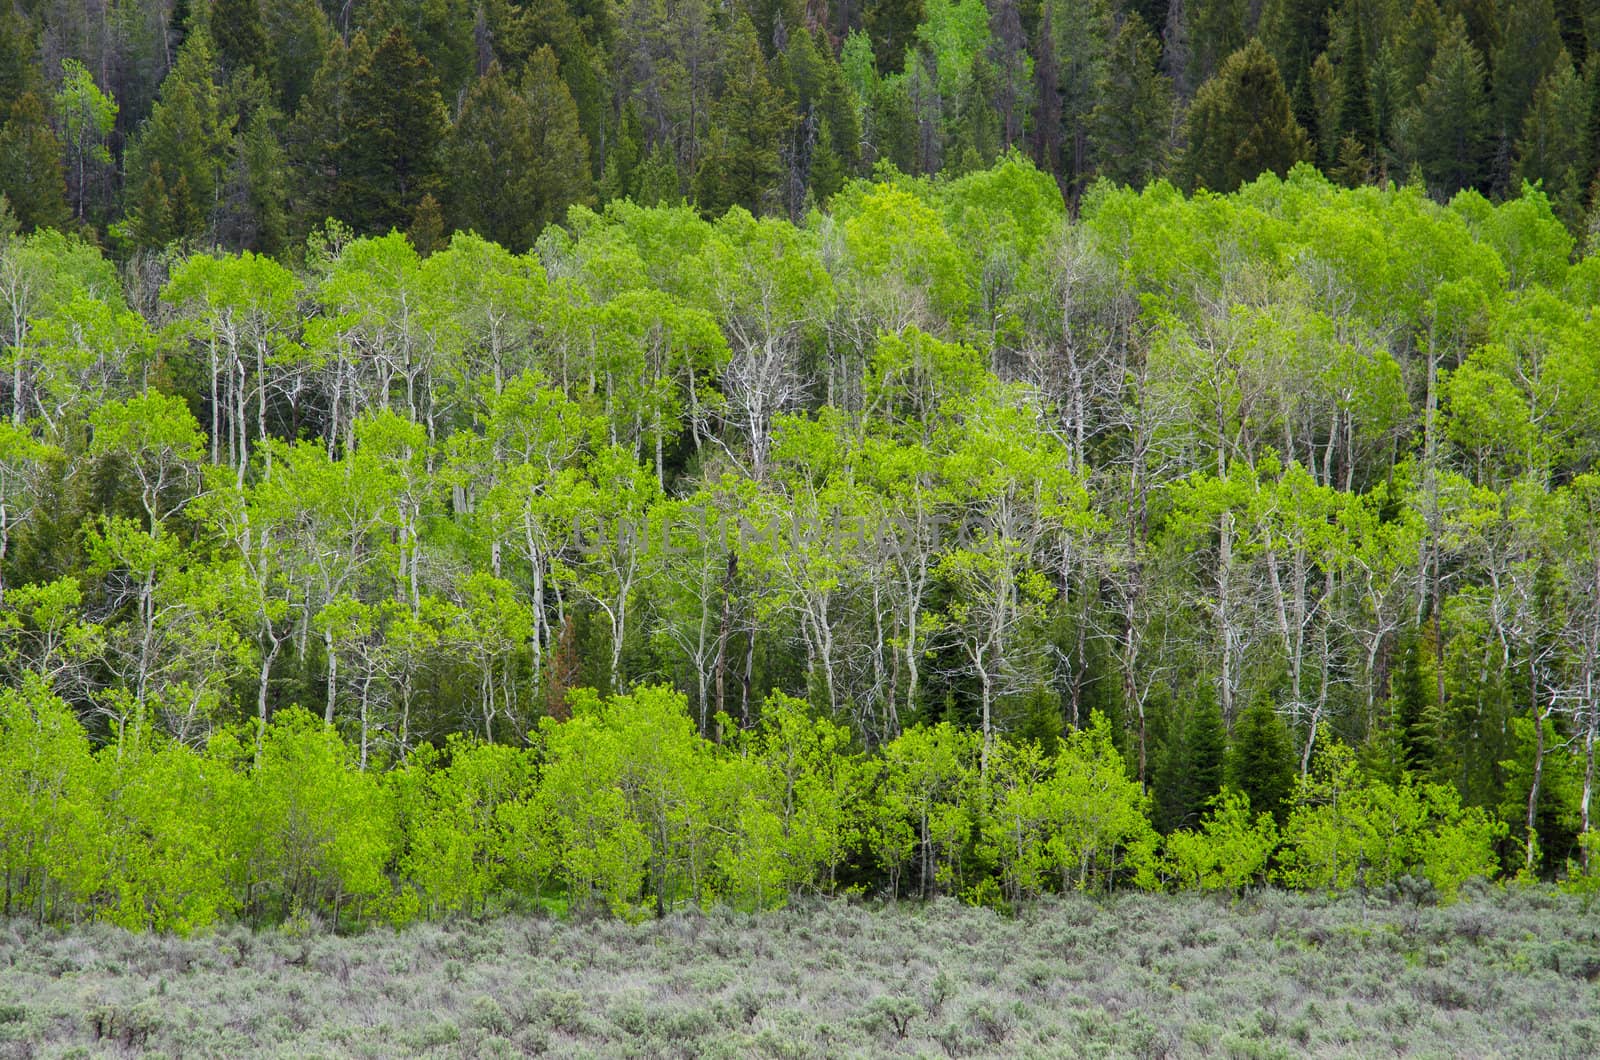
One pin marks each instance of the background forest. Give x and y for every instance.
(243, 124)
(771, 528)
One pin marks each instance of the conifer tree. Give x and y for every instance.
(1191, 771)
(1295, 32)
(177, 164)
(316, 138)
(1130, 127)
(1447, 131)
(892, 26)
(742, 164)
(1261, 759)
(516, 158)
(618, 179)
(1530, 42)
(239, 35)
(1241, 124)
(1415, 47)
(1553, 148)
(390, 157)
(1414, 709)
(1356, 119)
(31, 177)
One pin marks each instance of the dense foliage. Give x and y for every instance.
(1294, 488)
(245, 124)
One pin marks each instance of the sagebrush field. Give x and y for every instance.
(1504, 972)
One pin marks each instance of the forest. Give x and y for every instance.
(732, 475)
(244, 125)
(941, 544)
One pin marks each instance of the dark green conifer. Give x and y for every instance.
(1261, 760)
(1241, 124)
(749, 124)
(1447, 130)
(390, 158)
(1130, 127)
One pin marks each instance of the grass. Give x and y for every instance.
(1502, 973)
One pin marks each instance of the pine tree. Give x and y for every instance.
(742, 165)
(1261, 759)
(658, 181)
(516, 158)
(1241, 124)
(1216, 31)
(1295, 32)
(427, 227)
(239, 36)
(1553, 148)
(31, 177)
(390, 157)
(182, 150)
(298, 38)
(977, 127)
(838, 108)
(1356, 119)
(1530, 42)
(562, 175)
(892, 26)
(1191, 770)
(253, 212)
(828, 171)
(317, 137)
(1130, 126)
(623, 156)
(1414, 710)
(1447, 131)
(19, 60)
(1352, 166)
(1415, 47)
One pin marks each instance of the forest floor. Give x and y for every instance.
(1513, 972)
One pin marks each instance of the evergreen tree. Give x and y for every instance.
(838, 107)
(1261, 759)
(1530, 42)
(977, 131)
(253, 211)
(1295, 32)
(298, 38)
(1356, 119)
(828, 170)
(575, 32)
(562, 176)
(1130, 127)
(892, 26)
(239, 36)
(177, 164)
(390, 158)
(1241, 125)
(618, 179)
(516, 159)
(1553, 148)
(317, 137)
(1415, 47)
(31, 177)
(1447, 131)
(1216, 30)
(19, 60)
(742, 163)
(658, 181)
(1191, 770)
(1352, 166)
(1415, 710)
(426, 231)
